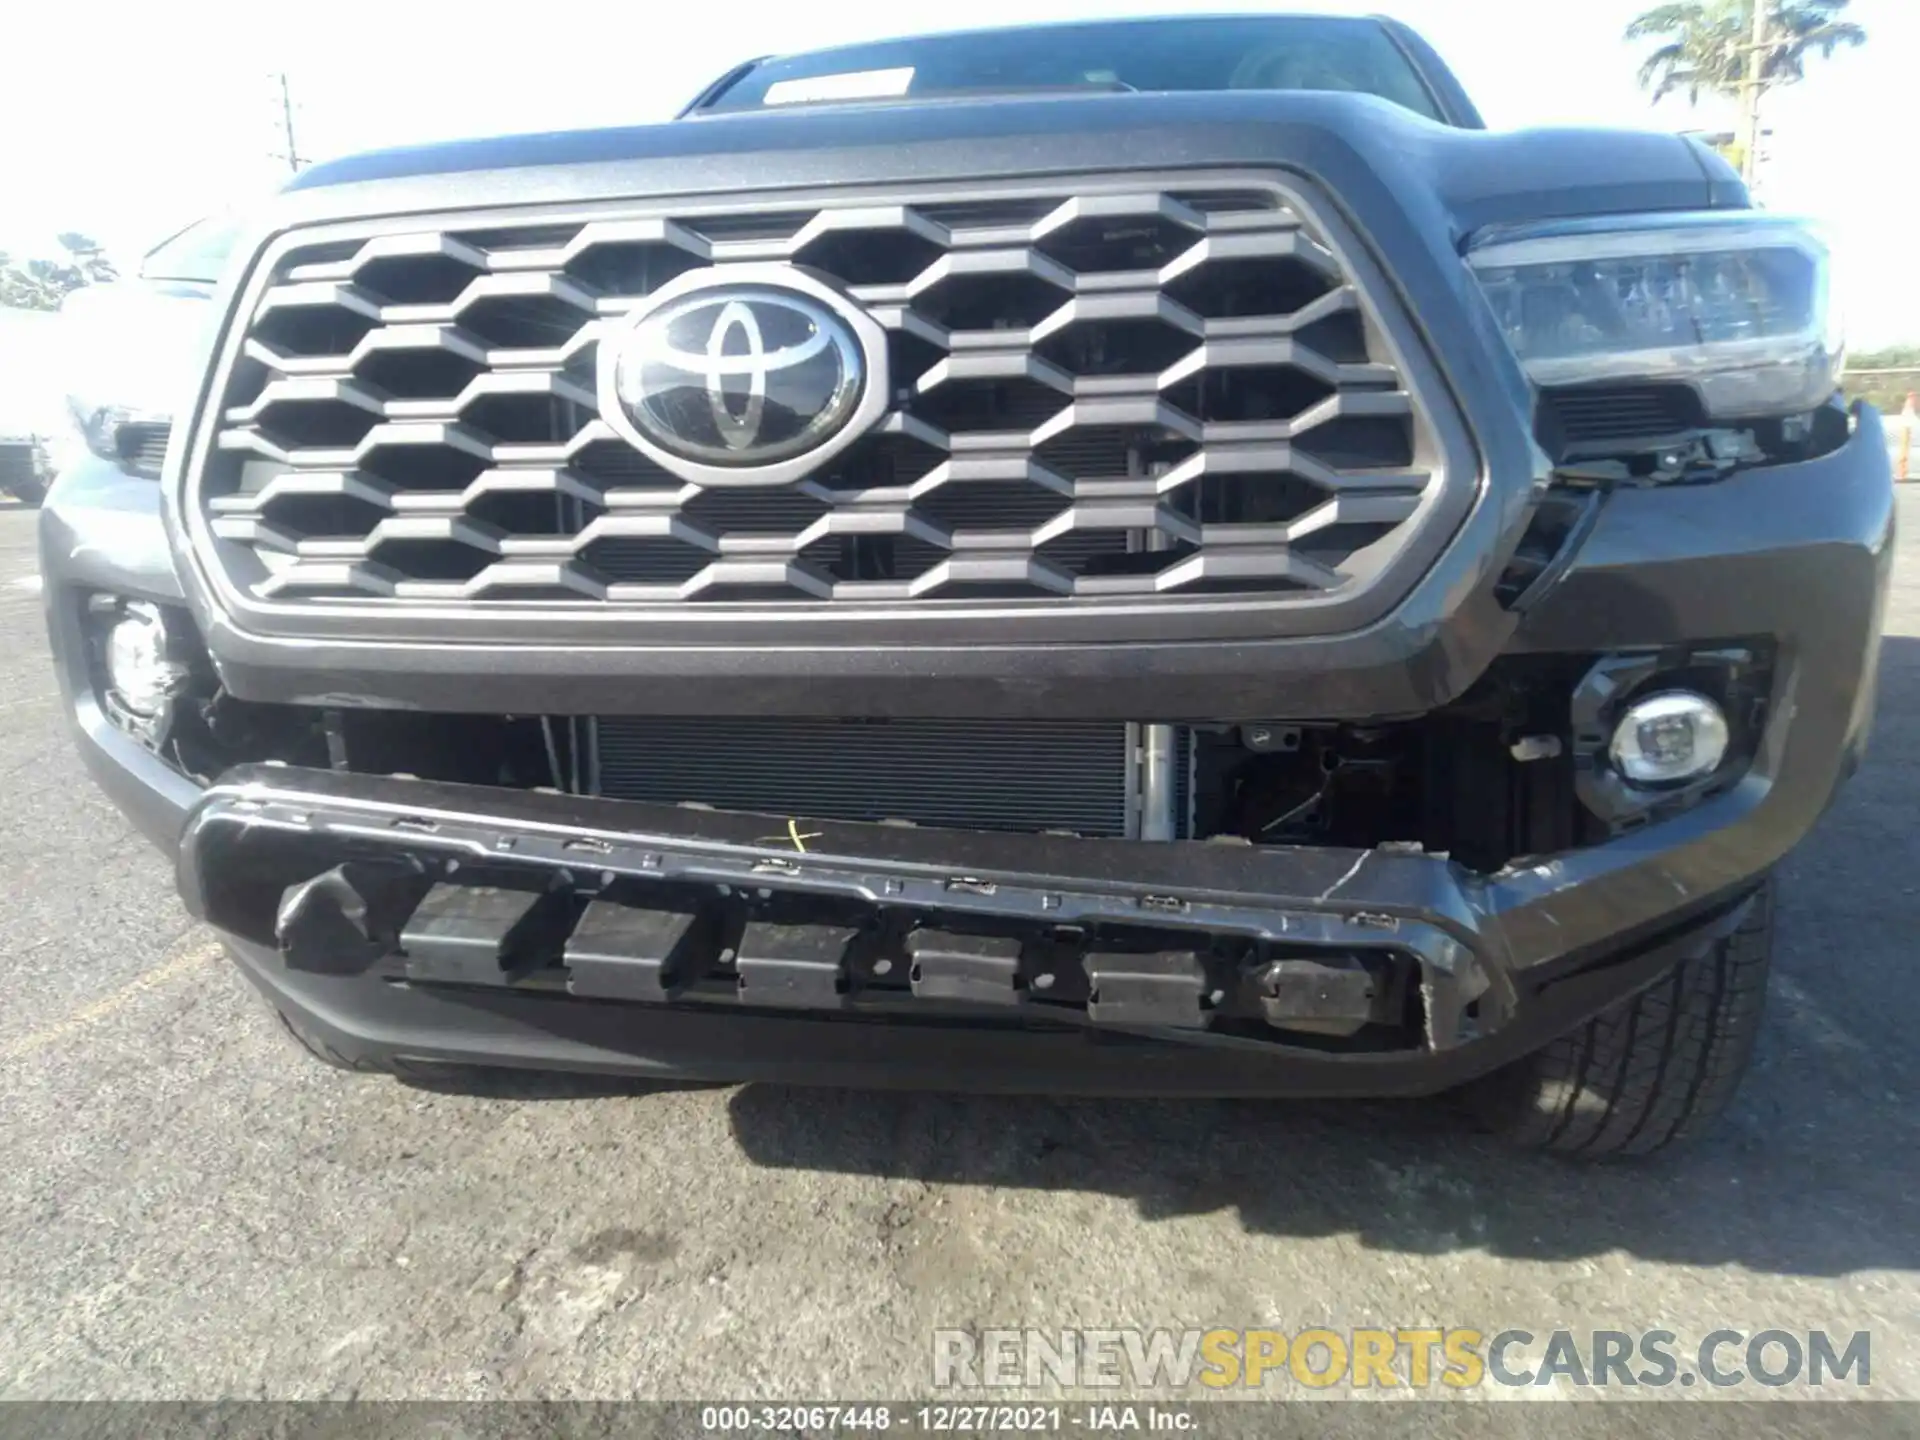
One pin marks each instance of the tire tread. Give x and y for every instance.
(326, 1054)
(1653, 1070)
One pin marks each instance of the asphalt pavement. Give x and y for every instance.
(189, 1208)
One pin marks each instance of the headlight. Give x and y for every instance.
(126, 350)
(1734, 305)
(135, 440)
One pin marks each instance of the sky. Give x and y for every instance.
(159, 112)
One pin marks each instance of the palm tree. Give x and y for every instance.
(40, 284)
(1707, 43)
(1708, 48)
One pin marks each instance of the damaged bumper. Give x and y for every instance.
(1398, 972)
(403, 919)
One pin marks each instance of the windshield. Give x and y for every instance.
(1255, 52)
(198, 252)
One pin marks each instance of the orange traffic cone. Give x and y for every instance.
(1909, 418)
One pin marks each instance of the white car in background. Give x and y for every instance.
(31, 414)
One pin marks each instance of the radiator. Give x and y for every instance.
(963, 774)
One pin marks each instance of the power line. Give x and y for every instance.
(1751, 91)
(292, 152)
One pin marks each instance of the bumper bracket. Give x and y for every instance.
(793, 966)
(481, 934)
(618, 952)
(489, 898)
(976, 969)
(1165, 987)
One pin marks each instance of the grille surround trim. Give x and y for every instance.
(1069, 611)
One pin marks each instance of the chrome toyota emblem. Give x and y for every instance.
(743, 375)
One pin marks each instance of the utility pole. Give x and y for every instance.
(292, 153)
(1750, 93)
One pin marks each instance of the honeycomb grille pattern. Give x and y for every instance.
(1098, 392)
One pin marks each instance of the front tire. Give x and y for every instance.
(424, 1072)
(28, 492)
(1653, 1070)
(320, 1050)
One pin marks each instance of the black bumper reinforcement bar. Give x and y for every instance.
(1265, 948)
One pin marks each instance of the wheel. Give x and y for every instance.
(28, 492)
(425, 1072)
(1651, 1071)
(323, 1052)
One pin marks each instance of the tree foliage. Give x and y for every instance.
(41, 284)
(1705, 43)
(1894, 357)
(1889, 392)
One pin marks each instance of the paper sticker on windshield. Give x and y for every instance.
(854, 85)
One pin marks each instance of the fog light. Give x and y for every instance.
(141, 669)
(1673, 736)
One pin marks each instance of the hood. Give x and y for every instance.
(133, 344)
(1474, 177)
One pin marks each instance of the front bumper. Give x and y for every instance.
(1798, 554)
(351, 956)
(100, 531)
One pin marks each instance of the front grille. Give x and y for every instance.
(1102, 392)
(1019, 775)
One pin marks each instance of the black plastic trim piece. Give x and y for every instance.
(379, 1023)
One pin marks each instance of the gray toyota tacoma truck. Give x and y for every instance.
(1155, 558)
